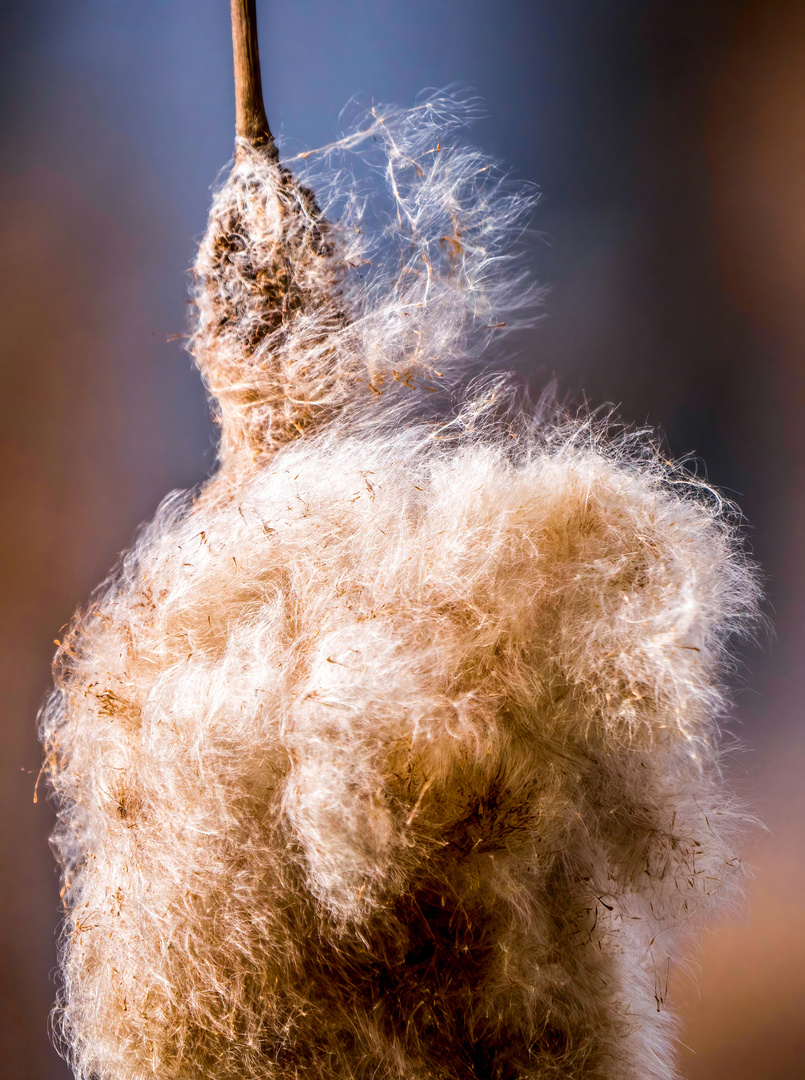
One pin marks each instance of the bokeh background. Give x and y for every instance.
(668, 139)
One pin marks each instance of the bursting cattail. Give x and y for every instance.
(392, 751)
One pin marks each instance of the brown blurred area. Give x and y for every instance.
(672, 155)
(746, 1016)
(88, 445)
(55, 386)
(69, 482)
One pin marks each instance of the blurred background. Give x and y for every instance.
(668, 139)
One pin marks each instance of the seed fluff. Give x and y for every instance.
(393, 750)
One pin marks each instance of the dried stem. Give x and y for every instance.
(250, 114)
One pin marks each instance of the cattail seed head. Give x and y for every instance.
(393, 752)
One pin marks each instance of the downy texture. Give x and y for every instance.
(391, 752)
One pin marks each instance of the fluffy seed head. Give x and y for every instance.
(393, 751)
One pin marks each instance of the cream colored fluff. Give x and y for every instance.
(393, 751)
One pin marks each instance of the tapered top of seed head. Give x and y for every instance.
(264, 268)
(305, 317)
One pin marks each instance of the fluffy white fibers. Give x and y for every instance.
(392, 752)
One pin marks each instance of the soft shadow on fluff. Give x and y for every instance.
(392, 752)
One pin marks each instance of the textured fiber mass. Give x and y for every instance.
(392, 752)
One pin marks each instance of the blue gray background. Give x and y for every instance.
(668, 140)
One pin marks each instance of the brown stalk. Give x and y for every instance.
(250, 114)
